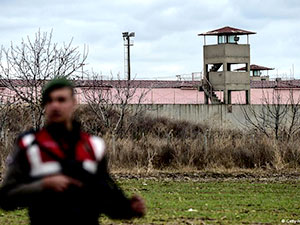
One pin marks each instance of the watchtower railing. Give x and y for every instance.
(207, 86)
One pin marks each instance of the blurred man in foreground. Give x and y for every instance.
(60, 173)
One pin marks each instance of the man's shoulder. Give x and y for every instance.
(97, 143)
(20, 147)
(27, 132)
(26, 137)
(87, 135)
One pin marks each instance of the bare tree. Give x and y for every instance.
(115, 103)
(4, 112)
(275, 117)
(293, 114)
(24, 68)
(5, 109)
(112, 100)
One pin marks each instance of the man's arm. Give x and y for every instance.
(117, 205)
(16, 189)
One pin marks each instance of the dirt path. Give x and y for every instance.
(257, 176)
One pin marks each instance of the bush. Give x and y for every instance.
(161, 143)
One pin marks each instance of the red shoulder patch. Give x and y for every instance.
(45, 140)
(84, 149)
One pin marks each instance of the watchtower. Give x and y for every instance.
(221, 61)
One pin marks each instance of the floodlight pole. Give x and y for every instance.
(126, 38)
(128, 56)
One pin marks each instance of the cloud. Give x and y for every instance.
(166, 41)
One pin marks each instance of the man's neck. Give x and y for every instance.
(68, 125)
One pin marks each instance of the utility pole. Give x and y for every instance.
(127, 44)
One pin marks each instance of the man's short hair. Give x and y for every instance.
(56, 83)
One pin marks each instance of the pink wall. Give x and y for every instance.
(182, 96)
(179, 96)
(188, 96)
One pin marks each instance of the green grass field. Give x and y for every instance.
(206, 202)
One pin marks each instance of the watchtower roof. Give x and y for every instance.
(226, 31)
(256, 67)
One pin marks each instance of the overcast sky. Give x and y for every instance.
(166, 42)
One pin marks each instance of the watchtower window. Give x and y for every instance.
(217, 67)
(237, 67)
(231, 39)
(222, 39)
(256, 73)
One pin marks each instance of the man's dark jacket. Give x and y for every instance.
(54, 150)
